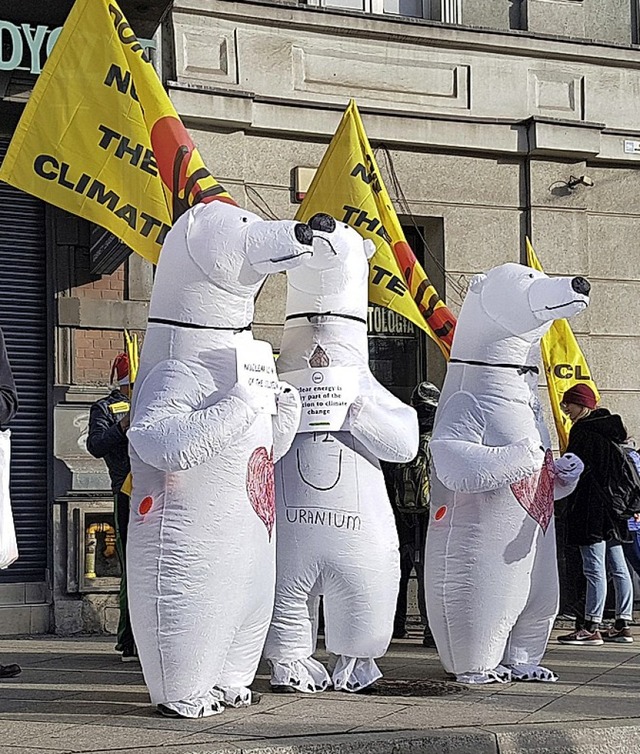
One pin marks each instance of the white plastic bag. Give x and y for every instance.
(8, 544)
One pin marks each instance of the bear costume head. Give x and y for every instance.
(508, 309)
(334, 278)
(214, 260)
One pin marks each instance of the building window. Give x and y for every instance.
(447, 11)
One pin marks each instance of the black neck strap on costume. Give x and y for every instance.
(194, 326)
(521, 368)
(309, 315)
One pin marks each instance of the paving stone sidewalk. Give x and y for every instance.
(75, 695)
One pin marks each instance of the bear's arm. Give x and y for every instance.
(463, 463)
(171, 432)
(386, 426)
(286, 421)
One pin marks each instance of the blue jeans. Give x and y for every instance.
(596, 559)
(631, 553)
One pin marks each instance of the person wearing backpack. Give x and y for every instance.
(408, 489)
(596, 515)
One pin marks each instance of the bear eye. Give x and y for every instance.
(244, 219)
(531, 275)
(346, 226)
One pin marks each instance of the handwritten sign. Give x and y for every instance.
(256, 370)
(326, 394)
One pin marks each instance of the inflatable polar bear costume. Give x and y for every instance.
(490, 567)
(201, 555)
(336, 531)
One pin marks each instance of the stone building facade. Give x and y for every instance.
(498, 119)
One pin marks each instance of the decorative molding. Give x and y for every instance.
(206, 54)
(556, 93)
(408, 79)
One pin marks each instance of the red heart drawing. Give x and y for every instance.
(535, 492)
(261, 486)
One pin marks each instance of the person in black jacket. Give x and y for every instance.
(108, 426)
(8, 409)
(591, 522)
(409, 494)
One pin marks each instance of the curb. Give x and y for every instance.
(584, 737)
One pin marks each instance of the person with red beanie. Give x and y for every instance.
(108, 426)
(591, 522)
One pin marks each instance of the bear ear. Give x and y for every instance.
(477, 281)
(369, 248)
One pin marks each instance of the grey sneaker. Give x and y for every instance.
(620, 636)
(582, 637)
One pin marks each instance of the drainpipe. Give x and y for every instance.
(527, 221)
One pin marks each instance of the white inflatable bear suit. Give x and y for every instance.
(336, 531)
(490, 568)
(201, 551)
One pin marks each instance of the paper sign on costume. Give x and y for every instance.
(326, 394)
(256, 370)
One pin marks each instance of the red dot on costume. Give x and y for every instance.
(440, 513)
(145, 505)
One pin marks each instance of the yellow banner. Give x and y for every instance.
(133, 352)
(100, 138)
(564, 363)
(349, 186)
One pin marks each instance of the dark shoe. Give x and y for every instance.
(167, 711)
(618, 635)
(130, 654)
(372, 688)
(582, 637)
(255, 699)
(10, 671)
(400, 633)
(428, 640)
(282, 689)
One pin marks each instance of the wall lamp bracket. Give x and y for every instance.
(583, 180)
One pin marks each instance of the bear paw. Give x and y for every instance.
(501, 674)
(533, 673)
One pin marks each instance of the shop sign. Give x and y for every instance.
(383, 321)
(24, 47)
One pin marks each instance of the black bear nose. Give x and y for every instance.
(581, 285)
(323, 222)
(303, 233)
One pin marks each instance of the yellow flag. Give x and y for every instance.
(133, 352)
(564, 363)
(100, 138)
(348, 185)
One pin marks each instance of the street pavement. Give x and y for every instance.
(75, 695)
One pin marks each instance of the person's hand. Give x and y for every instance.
(124, 422)
(636, 516)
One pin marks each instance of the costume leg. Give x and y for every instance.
(529, 637)
(241, 663)
(291, 640)
(359, 615)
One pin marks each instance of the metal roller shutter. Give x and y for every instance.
(23, 318)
